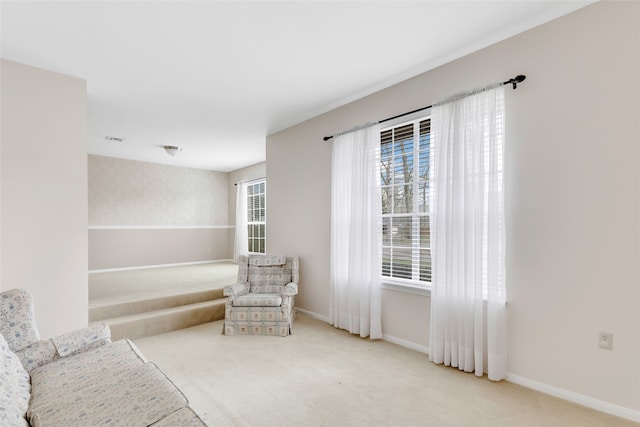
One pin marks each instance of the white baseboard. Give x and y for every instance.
(580, 399)
(389, 338)
(317, 316)
(406, 344)
(142, 267)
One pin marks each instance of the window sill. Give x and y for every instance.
(406, 288)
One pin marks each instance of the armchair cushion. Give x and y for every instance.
(258, 300)
(260, 314)
(269, 274)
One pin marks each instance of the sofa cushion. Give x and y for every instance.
(17, 321)
(136, 397)
(14, 388)
(258, 300)
(81, 370)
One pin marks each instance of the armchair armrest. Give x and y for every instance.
(290, 289)
(236, 289)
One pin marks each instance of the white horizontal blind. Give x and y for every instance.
(404, 182)
(256, 216)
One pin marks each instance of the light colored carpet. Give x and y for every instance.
(133, 285)
(321, 376)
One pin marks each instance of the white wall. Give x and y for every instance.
(572, 199)
(44, 193)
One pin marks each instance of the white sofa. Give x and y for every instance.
(79, 379)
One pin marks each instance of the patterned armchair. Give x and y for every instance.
(261, 302)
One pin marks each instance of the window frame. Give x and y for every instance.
(410, 286)
(250, 209)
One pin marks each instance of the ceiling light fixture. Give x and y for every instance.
(113, 139)
(172, 150)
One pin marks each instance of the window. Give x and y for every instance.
(404, 181)
(256, 216)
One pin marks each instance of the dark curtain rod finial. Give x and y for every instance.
(514, 81)
(517, 79)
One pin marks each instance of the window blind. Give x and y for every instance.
(256, 216)
(404, 183)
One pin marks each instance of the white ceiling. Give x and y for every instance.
(216, 78)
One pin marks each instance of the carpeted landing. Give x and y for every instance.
(322, 376)
(139, 303)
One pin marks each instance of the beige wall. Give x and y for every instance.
(572, 199)
(249, 173)
(133, 193)
(144, 214)
(257, 171)
(44, 193)
(124, 248)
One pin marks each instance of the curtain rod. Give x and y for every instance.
(250, 180)
(514, 81)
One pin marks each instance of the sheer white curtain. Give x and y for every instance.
(468, 234)
(355, 298)
(241, 245)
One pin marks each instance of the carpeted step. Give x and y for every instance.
(127, 308)
(165, 320)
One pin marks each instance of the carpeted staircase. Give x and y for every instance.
(135, 319)
(153, 301)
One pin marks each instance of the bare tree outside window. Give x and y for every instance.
(404, 181)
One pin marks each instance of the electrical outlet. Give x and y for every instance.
(605, 340)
